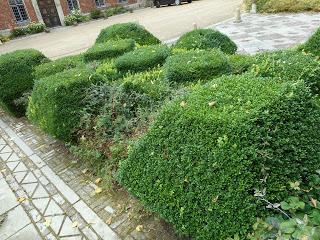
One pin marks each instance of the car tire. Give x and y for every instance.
(157, 4)
(189, 1)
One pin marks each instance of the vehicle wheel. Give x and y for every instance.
(189, 1)
(157, 4)
(178, 2)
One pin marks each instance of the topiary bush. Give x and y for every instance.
(143, 58)
(16, 77)
(56, 101)
(205, 154)
(240, 63)
(206, 39)
(127, 30)
(110, 49)
(196, 65)
(312, 45)
(52, 67)
(109, 71)
(289, 65)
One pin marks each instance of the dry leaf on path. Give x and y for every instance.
(98, 190)
(98, 180)
(109, 221)
(139, 228)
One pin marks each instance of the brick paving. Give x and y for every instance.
(46, 194)
(259, 32)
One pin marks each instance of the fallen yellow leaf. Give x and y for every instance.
(21, 199)
(314, 202)
(183, 104)
(139, 228)
(3, 170)
(98, 180)
(109, 221)
(98, 190)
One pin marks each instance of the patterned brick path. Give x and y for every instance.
(46, 194)
(259, 32)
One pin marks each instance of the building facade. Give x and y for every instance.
(15, 13)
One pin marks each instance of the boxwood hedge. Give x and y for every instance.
(16, 77)
(127, 30)
(196, 65)
(56, 101)
(312, 45)
(110, 49)
(206, 39)
(56, 66)
(143, 58)
(200, 162)
(289, 65)
(241, 63)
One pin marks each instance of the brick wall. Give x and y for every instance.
(7, 20)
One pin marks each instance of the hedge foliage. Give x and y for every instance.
(143, 58)
(312, 45)
(289, 65)
(127, 30)
(16, 77)
(108, 50)
(196, 65)
(206, 39)
(57, 66)
(200, 162)
(241, 63)
(56, 101)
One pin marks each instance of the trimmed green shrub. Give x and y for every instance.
(150, 83)
(289, 65)
(240, 63)
(312, 45)
(57, 66)
(16, 77)
(109, 71)
(127, 30)
(110, 49)
(205, 154)
(196, 65)
(56, 101)
(143, 58)
(206, 39)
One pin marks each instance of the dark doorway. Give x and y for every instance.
(49, 13)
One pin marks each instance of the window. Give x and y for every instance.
(100, 3)
(73, 5)
(19, 10)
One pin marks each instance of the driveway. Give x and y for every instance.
(165, 23)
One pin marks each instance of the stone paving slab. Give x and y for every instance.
(259, 32)
(45, 194)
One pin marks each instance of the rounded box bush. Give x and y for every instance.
(196, 65)
(57, 66)
(16, 77)
(312, 45)
(206, 39)
(289, 65)
(127, 30)
(143, 58)
(110, 49)
(201, 161)
(56, 101)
